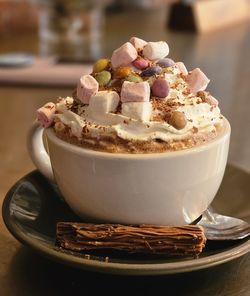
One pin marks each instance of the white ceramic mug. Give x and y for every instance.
(170, 188)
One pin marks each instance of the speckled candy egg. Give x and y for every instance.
(160, 88)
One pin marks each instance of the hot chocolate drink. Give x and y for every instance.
(139, 101)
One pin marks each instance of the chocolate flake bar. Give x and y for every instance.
(188, 240)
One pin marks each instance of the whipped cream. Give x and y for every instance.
(200, 115)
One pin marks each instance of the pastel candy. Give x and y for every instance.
(135, 91)
(123, 55)
(103, 77)
(156, 50)
(140, 63)
(45, 114)
(160, 88)
(197, 80)
(165, 63)
(137, 110)
(182, 68)
(150, 71)
(137, 42)
(103, 102)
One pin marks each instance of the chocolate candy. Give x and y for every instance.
(140, 63)
(103, 77)
(150, 71)
(100, 65)
(133, 78)
(122, 72)
(160, 88)
(178, 120)
(165, 63)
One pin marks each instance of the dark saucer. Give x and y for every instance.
(33, 206)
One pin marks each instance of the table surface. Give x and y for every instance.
(224, 57)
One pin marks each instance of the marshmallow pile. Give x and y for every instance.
(141, 85)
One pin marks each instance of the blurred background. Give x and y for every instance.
(46, 45)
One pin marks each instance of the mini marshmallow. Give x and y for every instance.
(197, 80)
(87, 87)
(182, 68)
(156, 50)
(123, 55)
(45, 114)
(103, 102)
(135, 91)
(137, 110)
(138, 43)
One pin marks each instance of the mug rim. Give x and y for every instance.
(50, 133)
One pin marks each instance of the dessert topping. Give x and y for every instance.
(140, 63)
(87, 87)
(123, 55)
(45, 114)
(165, 63)
(137, 110)
(137, 43)
(156, 50)
(150, 71)
(135, 92)
(197, 80)
(160, 88)
(100, 65)
(103, 77)
(178, 120)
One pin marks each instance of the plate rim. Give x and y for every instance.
(122, 268)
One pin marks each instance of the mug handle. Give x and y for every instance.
(38, 152)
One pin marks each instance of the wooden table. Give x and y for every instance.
(224, 57)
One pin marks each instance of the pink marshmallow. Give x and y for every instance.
(135, 92)
(86, 88)
(123, 55)
(197, 80)
(45, 114)
(182, 68)
(137, 42)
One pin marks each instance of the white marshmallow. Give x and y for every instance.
(103, 102)
(137, 42)
(156, 50)
(123, 55)
(135, 91)
(137, 110)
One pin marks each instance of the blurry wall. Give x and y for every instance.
(17, 16)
